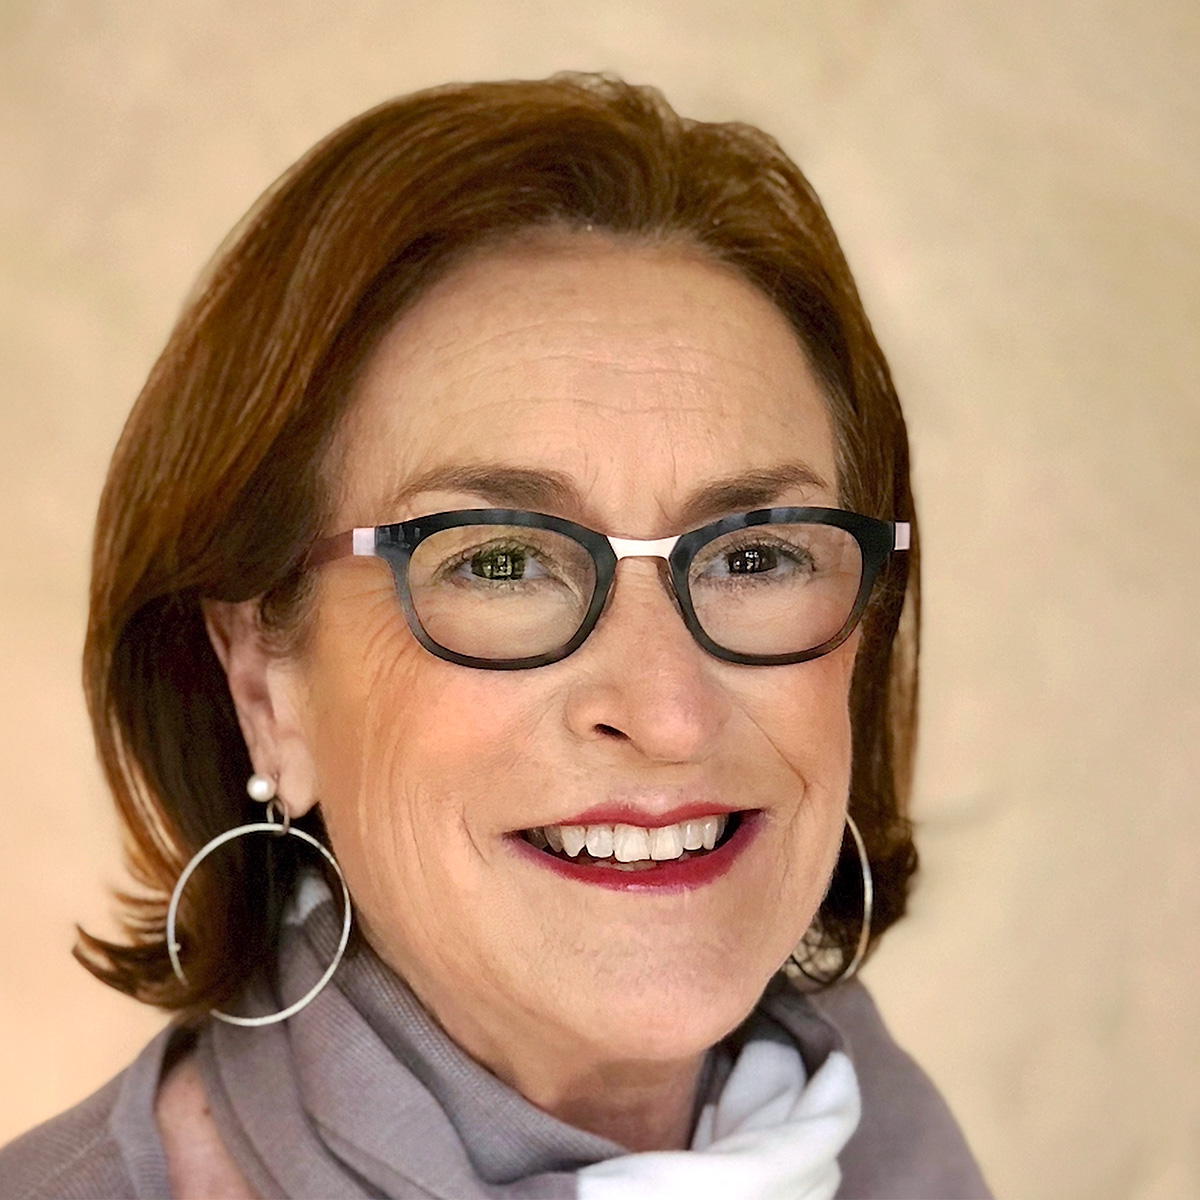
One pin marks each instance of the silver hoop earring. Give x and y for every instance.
(864, 933)
(277, 824)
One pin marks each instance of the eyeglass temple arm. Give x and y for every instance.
(342, 545)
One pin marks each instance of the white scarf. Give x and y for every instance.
(772, 1134)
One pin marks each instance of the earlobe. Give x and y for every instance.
(266, 693)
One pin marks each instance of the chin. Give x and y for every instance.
(665, 1014)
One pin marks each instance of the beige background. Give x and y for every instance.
(1016, 185)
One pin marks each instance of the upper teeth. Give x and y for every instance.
(632, 843)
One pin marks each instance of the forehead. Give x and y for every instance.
(639, 373)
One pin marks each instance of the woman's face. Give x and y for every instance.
(641, 392)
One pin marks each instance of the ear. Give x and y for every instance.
(268, 695)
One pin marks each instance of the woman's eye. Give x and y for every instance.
(498, 564)
(757, 561)
(751, 560)
(505, 564)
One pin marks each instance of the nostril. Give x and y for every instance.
(611, 731)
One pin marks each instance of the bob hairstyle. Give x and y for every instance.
(219, 487)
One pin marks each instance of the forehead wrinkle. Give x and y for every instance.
(456, 344)
(677, 379)
(624, 391)
(614, 365)
(644, 339)
(690, 369)
(611, 409)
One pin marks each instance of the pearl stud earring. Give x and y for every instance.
(261, 788)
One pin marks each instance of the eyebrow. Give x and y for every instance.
(753, 489)
(504, 486)
(552, 491)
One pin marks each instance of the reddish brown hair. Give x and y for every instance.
(215, 489)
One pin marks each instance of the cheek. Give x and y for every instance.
(804, 712)
(415, 757)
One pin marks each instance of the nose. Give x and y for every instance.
(642, 680)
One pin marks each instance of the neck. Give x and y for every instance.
(637, 1105)
(625, 1090)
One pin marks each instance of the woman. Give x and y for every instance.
(521, 507)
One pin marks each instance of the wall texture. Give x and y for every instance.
(1016, 187)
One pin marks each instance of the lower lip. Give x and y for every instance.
(672, 876)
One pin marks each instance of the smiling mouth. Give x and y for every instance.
(634, 847)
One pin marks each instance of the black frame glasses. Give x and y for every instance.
(395, 545)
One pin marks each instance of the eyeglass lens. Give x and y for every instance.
(509, 592)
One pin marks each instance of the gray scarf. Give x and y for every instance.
(362, 1094)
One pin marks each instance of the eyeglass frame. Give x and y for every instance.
(396, 542)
